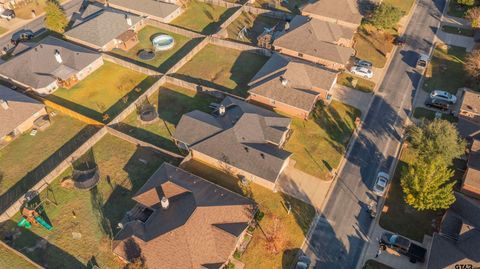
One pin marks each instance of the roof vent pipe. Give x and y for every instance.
(129, 20)
(165, 203)
(222, 110)
(4, 104)
(58, 57)
(284, 81)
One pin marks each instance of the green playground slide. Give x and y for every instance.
(43, 223)
(24, 223)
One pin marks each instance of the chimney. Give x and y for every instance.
(4, 104)
(221, 110)
(58, 57)
(165, 203)
(284, 81)
(129, 20)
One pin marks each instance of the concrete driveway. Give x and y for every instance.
(355, 98)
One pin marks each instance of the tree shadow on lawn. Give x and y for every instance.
(214, 26)
(177, 56)
(33, 177)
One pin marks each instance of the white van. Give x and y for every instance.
(422, 61)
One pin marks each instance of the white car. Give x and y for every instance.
(443, 95)
(362, 71)
(381, 183)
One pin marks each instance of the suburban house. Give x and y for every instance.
(183, 221)
(291, 86)
(105, 28)
(18, 113)
(317, 41)
(342, 12)
(458, 241)
(157, 10)
(50, 64)
(469, 113)
(471, 179)
(241, 138)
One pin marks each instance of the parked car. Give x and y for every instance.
(303, 262)
(22, 36)
(403, 246)
(7, 14)
(422, 61)
(381, 183)
(443, 95)
(362, 71)
(363, 63)
(438, 104)
(400, 41)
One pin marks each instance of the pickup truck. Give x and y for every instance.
(403, 246)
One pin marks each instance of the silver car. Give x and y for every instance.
(361, 71)
(443, 95)
(381, 183)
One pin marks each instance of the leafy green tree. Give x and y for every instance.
(473, 16)
(386, 16)
(437, 139)
(466, 2)
(427, 185)
(56, 20)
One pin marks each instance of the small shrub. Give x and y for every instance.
(237, 255)
(259, 216)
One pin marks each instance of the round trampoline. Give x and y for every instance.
(86, 176)
(148, 114)
(146, 54)
(163, 42)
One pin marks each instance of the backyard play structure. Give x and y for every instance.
(31, 216)
(33, 208)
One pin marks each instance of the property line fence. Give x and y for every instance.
(188, 56)
(200, 88)
(222, 33)
(221, 3)
(130, 65)
(20, 255)
(71, 113)
(173, 29)
(239, 46)
(271, 13)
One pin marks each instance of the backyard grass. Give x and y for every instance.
(203, 17)
(319, 143)
(255, 25)
(291, 228)
(292, 6)
(362, 84)
(163, 59)
(373, 264)
(84, 221)
(421, 112)
(22, 155)
(404, 5)
(401, 218)
(172, 102)
(457, 30)
(3, 30)
(445, 70)
(373, 45)
(108, 90)
(223, 68)
(8, 259)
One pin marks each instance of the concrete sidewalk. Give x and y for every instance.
(355, 98)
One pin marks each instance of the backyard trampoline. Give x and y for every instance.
(146, 54)
(163, 42)
(148, 114)
(86, 176)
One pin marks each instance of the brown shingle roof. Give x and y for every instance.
(471, 101)
(338, 10)
(472, 175)
(150, 7)
(199, 229)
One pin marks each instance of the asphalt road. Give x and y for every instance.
(36, 25)
(341, 233)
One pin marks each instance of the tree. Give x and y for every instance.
(472, 67)
(427, 185)
(473, 15)
(466, 2)
(386, 16)
(56, 20)
(437, 139)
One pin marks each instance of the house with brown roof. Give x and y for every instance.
(162, 11)
(183, 221)
(291, 86)
(50, 64)
(239, 137)
(471, 179)
(317, 41)
(342, 12)
(18, 112)
(469, 113)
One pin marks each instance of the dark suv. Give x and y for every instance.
(403, 246)
(438, 104)
(21, 36)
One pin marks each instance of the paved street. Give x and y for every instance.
(341, 232)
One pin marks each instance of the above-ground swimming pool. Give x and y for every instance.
(163, 42)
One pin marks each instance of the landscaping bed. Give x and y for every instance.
(364, 85)
(445, 70)
(85, 221)
(255, 25)
(163, 60)
(457, 30)
(172, 102)
(291, 229)
(203, 17)
(426, 113)
(222, 68)
(108, 90)
(319, 143)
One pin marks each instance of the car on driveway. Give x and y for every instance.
(22, 36)
(422, 62)
(361, 71)
(303, 262)
(437, 104)
(7, 14)
(381, 183)
(443, 95)
(403, 246)
(363, 63)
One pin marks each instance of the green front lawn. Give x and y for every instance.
(292, 6)
(108, 90)
(203, 17)
(373, 45)
(458, 30)
(255, 25)
(404, 5)
(172, 102)
(401, 218)
(9, 259)
(362, 84)
(319, 143)
(291, 228)
(223, 68)
(21, 156)
(163, 59)
(445, 70)
(428, 114)
(84, 221)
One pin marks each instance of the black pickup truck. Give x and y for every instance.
(403, 246)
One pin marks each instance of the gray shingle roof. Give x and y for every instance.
(342, 10)
(316, 38)
(248, 140)
(36, 67)
(102, 27)
(20, 109)
(303, 82)
(150, 7)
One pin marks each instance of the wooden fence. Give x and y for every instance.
(173, 29)
(70, 112)
(20, 255)
(130, 64)
(200, 88)
(188, 56)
